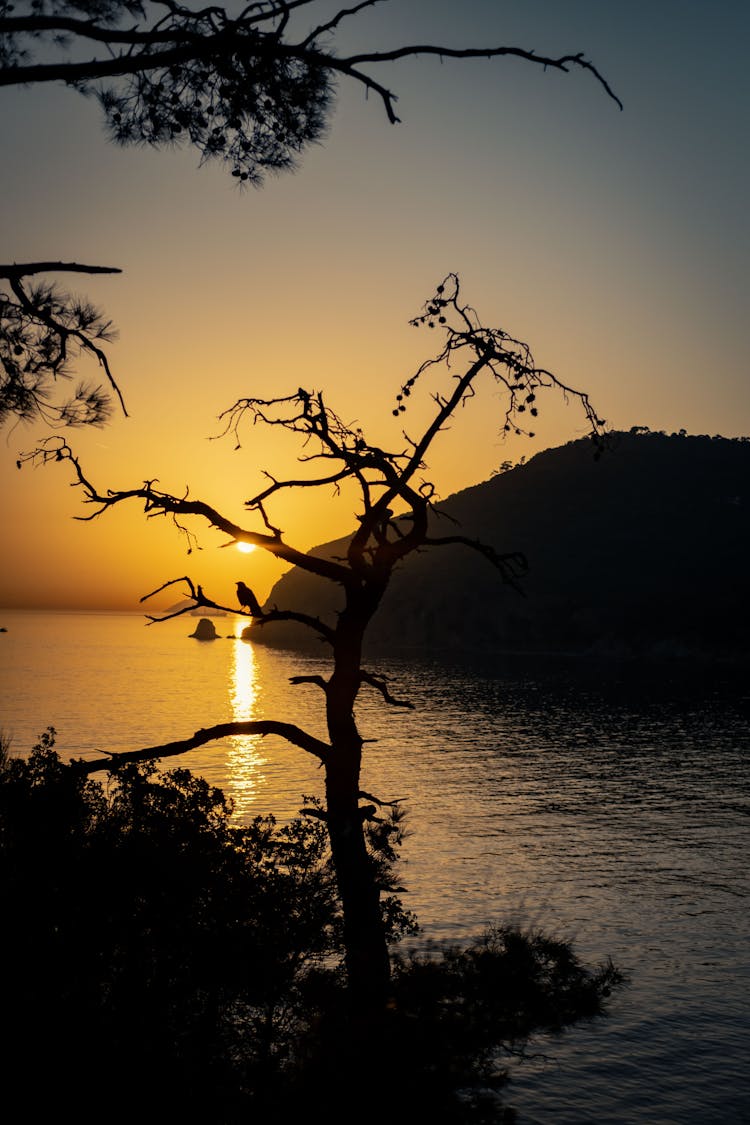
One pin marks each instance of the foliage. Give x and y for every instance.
(145, 935)
(455, 1016)
(502, 988)
(153, 953)
(252, 88)
(43, 330)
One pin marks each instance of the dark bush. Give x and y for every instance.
(158, 960)
(150, 949)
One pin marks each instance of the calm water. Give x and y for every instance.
(606, 807)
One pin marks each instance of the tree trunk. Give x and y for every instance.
(366, 950)
(367, 962)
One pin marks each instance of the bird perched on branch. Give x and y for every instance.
(247, 598)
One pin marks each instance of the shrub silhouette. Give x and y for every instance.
(158, 960)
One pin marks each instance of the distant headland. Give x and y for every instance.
(641, 551)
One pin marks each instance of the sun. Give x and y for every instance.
(246, 548)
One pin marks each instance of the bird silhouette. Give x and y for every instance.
(247, 598)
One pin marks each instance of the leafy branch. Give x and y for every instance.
(43, 329)
(240, 88)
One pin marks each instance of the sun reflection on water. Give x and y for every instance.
(245, 760)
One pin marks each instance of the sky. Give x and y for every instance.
(614, 243)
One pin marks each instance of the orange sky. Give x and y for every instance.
(614, 243)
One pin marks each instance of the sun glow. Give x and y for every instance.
(246, 548)
(245, 759)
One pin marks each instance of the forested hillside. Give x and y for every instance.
(643, 550)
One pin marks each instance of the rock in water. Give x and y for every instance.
(205, 630)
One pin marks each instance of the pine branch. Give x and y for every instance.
(235, 87)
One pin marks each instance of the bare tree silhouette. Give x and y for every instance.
(397, 517)
(244, 90)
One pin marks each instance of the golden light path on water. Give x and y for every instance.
(245, 760)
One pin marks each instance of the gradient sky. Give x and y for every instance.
(615, 243)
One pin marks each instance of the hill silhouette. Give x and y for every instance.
(642, 551)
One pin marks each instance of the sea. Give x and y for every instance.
(599, 801)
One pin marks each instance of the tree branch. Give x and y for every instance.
(256, 614)
(196, 593)
(85, 29)
(512, 566)
(314, 623)
(41, 329)
(278, 485)
(332, 24)
(319, 681)
(63, 331)
(156, 503)
(25, 269)
(232, 86)
(380, 803)
(562, 62)
(288, 731)
(380, 683)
